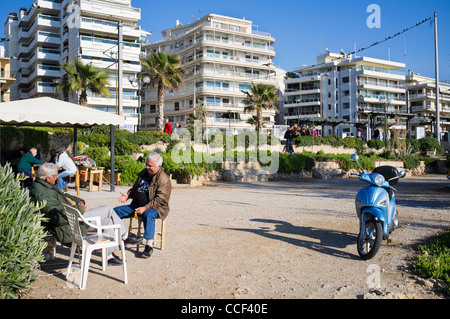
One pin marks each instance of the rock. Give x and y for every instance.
(328, 174)
(425, 282)
(246, 175)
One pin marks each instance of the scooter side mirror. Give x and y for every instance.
(402, 174)
(354, 157)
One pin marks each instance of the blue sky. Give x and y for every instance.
(304, 29)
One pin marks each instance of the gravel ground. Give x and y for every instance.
(271, 240)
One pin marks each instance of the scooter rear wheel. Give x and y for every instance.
(370, 241)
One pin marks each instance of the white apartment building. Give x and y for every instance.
(54, 31)
(350, 91)
(222, 56)
(422, 102)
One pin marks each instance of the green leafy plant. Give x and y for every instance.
(434, 259)
(21, 234)
(376, 144)
(430, 144)
(410, 161)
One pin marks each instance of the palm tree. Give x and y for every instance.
(81, 78)
(253, 121)
(165, 72)
(261, 96)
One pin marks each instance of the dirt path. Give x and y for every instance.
(281, 240)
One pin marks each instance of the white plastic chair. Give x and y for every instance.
(74, 217)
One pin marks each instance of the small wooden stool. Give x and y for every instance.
(160, 233)
(77, 182)
(95, 173)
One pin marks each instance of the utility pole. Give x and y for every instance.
(438, 117)
(119, 102)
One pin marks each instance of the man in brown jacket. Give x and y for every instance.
(150, 196)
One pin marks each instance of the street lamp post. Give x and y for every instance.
(141, 83)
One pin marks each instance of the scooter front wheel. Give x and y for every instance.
(370, 241)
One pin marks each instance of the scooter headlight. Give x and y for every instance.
(379, 180)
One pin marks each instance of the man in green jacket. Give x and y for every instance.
(44, 189)
(27, 160)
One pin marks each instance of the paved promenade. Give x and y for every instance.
(261, 241)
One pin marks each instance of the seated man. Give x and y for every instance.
(68, 167)
(44, 189)
(151, 195)
(28, 160)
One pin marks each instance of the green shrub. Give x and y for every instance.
(410, 161)
(412, 145)
(343, 159)
(434, 259)
(352, 142)
(26, 136)
(21, 234)
(96, 140)
(182, 170)
(376, 144)
(129, 169)
(430, 144)
(100, 155)
(147, 137)
(333, 140)
(295, 163)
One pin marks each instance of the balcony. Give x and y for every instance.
(107, 27)
(110, 11)
(110, 64)
(302, 102)
(127, 101)
(368, 108)
(41, 4)
(226, 28)
(429, 96)
(296, 115)
(302, 91)
(380, 73)
(38, 88)
(40, 37)
(303, 78)
(429, 109)
(392, 88)
(372, 98)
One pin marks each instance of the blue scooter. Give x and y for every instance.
(376, 208)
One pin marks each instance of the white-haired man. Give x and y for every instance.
(44, 189)
(150, 194)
